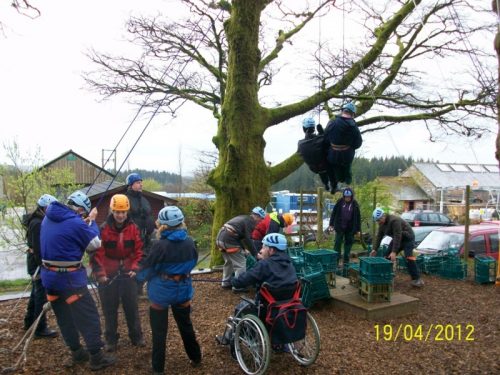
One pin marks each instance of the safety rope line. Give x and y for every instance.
(23, 293)
(27, 337)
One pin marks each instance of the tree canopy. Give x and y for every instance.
(227, 57)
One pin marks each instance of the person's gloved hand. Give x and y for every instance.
(319, 129)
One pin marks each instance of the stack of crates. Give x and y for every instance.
(452, 267)
(314, 285)
(353, 274)
(296, 253)
(326, 258)
(485, 268)
(432, 264)
(376, 277)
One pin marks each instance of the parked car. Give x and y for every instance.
(483, 240)
(422, 232)
(419, 218)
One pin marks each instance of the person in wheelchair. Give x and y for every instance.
(274, 270)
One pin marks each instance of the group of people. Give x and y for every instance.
(330, 151)
(122, 257)
(345, 221)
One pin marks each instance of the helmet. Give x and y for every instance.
(119, 202)
(347, 192)
(349, 107)
(133, 177)
(259, 212)
(79, 199)
(308, 122)
(377, 214)
(276, 240)
(288, 218)
(45, 200)
(171, 216)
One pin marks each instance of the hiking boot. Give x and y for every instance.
(140, 343)
(419, 283)
(46, 333)
(77, 356)
(226, 286)
(110, 347)
(196, 363)
(100, 360)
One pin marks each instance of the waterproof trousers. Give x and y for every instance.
(159, 328)
(78, 318)
(38, 298)
(121, 289)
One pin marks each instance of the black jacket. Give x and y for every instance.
(34, 224)
(277, 271)
(141, 213)
(314, 151)
(398, 229)
(335, 218)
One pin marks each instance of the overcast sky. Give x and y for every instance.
(44, 102)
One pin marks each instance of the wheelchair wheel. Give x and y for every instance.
(252, 345)
(306, 351)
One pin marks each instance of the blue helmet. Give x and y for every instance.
(276, 240)
(349, 107)
(347, 192)
(171, 216)
(133, 177)
(45, 200)
(79, 199)
(259, 212)
(308, 122)
(377, 214)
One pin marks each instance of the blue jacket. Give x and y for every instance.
(65, 237)
(173, 254)
(277, 271)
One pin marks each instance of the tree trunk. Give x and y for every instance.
(241, 179)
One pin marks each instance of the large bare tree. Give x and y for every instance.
(224, 56)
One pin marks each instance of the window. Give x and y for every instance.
(492, 168)
(433, 218)
(444, 219)
(443, 167)
(477, 245)
(493, 242)
(476, 168)
(459, 168)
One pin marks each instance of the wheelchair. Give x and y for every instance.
(249, 335)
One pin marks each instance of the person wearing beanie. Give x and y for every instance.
(345, 222)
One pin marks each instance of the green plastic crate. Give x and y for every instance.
(314, 285)
(375, 292)
(250, 262)
(376, 270)
(295, 251)
(485, 269)
(453, 268)
(327, 259)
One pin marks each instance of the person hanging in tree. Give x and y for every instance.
(342, 138)
(313, 150)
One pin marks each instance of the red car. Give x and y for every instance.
(483, 240)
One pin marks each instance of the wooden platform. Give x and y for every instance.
(346, 297)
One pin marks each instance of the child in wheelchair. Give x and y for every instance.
(276, 281)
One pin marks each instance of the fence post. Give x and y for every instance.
(466, 230)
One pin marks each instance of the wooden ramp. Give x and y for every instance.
(346, 297)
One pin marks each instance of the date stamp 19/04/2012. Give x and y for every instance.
(423, 332)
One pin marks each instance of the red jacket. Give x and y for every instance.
(270, 224)
(121, 248)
